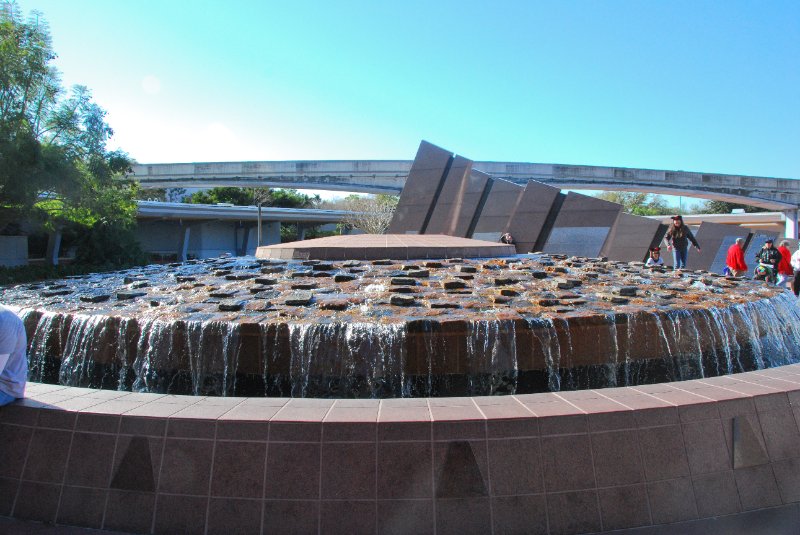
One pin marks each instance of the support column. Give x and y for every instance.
(183, 252)
(301, 232)
(272, 233)
(791, 224)
(53, 247)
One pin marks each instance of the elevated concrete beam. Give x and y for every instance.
(388, 176)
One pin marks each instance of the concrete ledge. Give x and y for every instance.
(569, 462)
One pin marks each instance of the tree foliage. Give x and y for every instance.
(722, 207)
(638, 203)
(54, 164)
(280, 198)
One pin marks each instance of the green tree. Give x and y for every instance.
(722, 207)
(638, 203)
(281, 198)
(54, 165)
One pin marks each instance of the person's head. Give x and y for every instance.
(677, 220)
(784, 243)
(740, 242)
(655, 253)
(768, 243)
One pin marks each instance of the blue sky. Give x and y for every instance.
(693, 85)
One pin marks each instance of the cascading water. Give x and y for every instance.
(242, 327)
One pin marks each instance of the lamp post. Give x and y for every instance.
(259, 224)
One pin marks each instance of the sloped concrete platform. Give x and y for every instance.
(385, 246)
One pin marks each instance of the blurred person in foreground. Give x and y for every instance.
(13, 360)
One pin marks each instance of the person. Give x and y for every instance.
(784, 266)
(655, 258)
(735, 259)
(796, 265)
(507, 238)
(768, 259)
(13, 360)
(678, 238)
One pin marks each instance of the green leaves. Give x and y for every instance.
(54, 165)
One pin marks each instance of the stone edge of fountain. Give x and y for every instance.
(610, 459)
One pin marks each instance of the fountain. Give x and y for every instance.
(400, 328)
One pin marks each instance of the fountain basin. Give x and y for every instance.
(460, 327)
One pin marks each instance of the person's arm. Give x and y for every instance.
(692, 238)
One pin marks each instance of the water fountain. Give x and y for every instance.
(391, 328)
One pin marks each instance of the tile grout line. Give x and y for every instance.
(433, 466)
(111, 473)
(377, 419)
(24, 465)
(66, 468)
(160, 470)
(210, 478)
(488, 464)
(264, 478)
(321, 439)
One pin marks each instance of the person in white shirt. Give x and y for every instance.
(13, 360)
(655, 257)
(795, 261)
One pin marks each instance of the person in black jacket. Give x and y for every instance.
(768, 258)
(678, 238)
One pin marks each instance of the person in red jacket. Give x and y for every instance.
(785, 271)
(735, 259)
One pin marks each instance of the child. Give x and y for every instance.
(655, 258)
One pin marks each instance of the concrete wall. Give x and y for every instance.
(206, 239)
(13, 251)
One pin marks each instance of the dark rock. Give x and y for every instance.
(140, 284)
(402, 289)
(94, 298)
(615, 299)
(440, 303)
(506, 281)
(343, 277)
(310, 262)
(266, 270)
(265, 281)
(508, 292)
(222, 272)
(626, 291)
(453, 284)
(124, 296)
(382, 262)
(298, 299)
(323, 266)
(185, 278)
(539, 274)
(351, 263)
(239, 276)
(499, 299)
(304, 286)
(418, 273)
(333, 304)
(465, 268)
(403, 300)
(433, 265)
(231, 306)
(301, 274)
(53, 293)
(222, 294)
(548, 302)
(403, 281)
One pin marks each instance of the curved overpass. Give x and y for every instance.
(388, 176)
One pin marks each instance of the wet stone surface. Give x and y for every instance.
(376, 328)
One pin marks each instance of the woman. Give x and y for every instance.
(678, 238)
(734, 260)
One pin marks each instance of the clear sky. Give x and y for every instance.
(694, 85)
